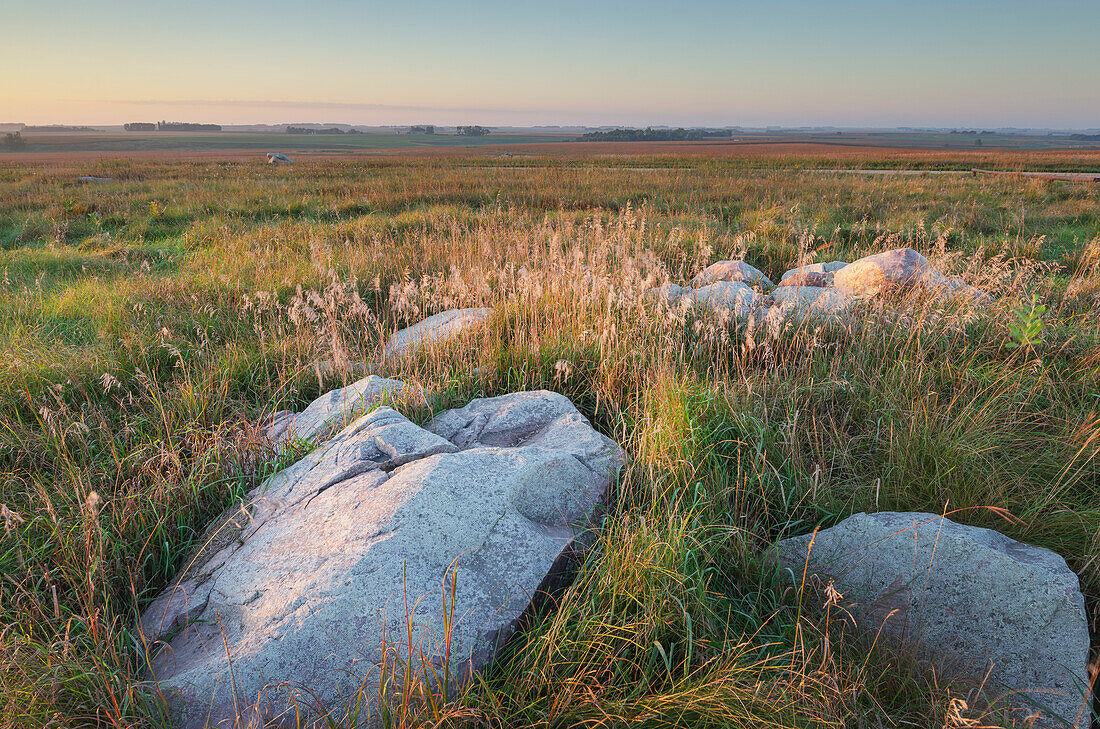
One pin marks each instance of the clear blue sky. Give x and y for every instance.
(965, 63)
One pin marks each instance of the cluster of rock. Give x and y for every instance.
(978, 606)
(820, 290)
(451, 532)
(338, 559)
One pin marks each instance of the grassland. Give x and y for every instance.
(148, 324)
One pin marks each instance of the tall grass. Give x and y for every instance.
(146, 344)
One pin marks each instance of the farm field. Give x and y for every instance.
(151, 321)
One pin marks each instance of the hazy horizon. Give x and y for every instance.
(702, 63)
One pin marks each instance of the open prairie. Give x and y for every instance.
(151, 320)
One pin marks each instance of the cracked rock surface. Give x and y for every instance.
(497, 493)
(971, 599)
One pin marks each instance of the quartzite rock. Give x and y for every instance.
(337, 408)
(827, 269)
(983, 600)
(805, 302)
(669, 294)
(732, 271)
(497, 490)
(896, 270)
(734, 296)
(435, 329)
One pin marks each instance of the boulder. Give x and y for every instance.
(668, 294)
(732, 271)
(802, 302)
(813, 280)
(348, 551)
(734, 296)
(970, 599)
(275, 158)
(897, 270)
(335, 409)
(825, 269)
(435, 329)
(955, 289)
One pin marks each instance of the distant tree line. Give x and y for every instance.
(1085, 137)
(167, 126)
(56, 128)
(473, 131)
(312, 130)
(422, 129)
(13, 141)
(649, 134)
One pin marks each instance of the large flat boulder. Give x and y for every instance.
(732, 271)
(974, 602)
(345, 553)
(335, 409)
(435, 329)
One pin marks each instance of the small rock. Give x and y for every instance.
(806, 278)
(969, 598)
(823, 268)
(275, 158)
(435, 329)
(334, 409)
(668, 294)
(732, 271)
(954, 288)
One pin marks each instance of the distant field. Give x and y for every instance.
(61, 142)
(820, 150)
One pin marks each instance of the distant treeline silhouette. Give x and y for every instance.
(167, 126)
(649, 134)
(56, 128)
(311, 130)
(12, 141)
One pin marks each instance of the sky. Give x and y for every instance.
(857, 63)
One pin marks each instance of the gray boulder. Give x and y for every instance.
(335, 409)
(734, 296)
(344, 553)
(827, 269)
(971, 599)
(732, 271)
(811, 302)
(816, 280)
(435, 329)
(669, 294)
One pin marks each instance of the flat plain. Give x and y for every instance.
(150, 321)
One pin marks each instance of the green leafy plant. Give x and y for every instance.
(1026, 329)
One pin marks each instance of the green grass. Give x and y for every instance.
(151, 322)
